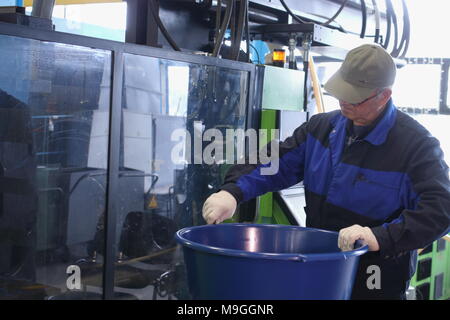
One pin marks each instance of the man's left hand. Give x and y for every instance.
(348, 236)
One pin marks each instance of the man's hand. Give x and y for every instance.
(348, 236)
(219, 207)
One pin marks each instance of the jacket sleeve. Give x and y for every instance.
(247, 181)
(429, 219)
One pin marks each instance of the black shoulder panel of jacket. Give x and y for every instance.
(429, 174)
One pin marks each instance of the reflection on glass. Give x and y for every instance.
(178, 82)
(54, 111)
(165, 104)
(98, 20)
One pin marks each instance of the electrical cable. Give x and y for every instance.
(405, 51)
(364, 19)
(407, 29)
(162, 28)
(388, 27)
(336, 14)
(292, 14)
(244, 24)
(394, 22)
(233, 28)
(223, 28)
(338, 25)
(257, 53)
(377, 21)
(397, 50)
(299, 20)
(218, 18)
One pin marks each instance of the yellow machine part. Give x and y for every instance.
(29, 3)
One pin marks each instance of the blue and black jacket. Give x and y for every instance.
(394, 181)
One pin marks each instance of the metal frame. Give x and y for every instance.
(328, 42)
(118, 50)
(443, 101)
(141, 26)
(444, 108)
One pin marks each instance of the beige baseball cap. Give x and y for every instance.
(364, 69)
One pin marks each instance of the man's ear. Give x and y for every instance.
(386, 95)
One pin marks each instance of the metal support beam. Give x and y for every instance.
(141, 26)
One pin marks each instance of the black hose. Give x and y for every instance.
(292, 14)
(257, 53)
(336, 14)
(388, 28)
(399, 49)
(296, 18)
(162, 28)
(394, 21)
(236, 49)
(233, 27)
(247, 33)
(364, 19)
(223, 28)
(218, 18)
(377, 22)
(407, 28)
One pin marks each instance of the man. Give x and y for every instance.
(370, 172)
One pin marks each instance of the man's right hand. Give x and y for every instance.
(219, 207)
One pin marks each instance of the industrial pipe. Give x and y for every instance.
(43, 8)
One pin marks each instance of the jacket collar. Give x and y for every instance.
(377, 135)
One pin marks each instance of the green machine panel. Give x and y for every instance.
(282, 89)
(432, 277)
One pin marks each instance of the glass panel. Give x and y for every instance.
(54, 123)
(162, 189)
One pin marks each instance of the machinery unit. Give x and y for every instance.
(102, 143)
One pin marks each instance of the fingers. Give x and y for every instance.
(209, 215)
(218, 207)
(340, 239)
(348, 236)
(206, 207)
(343, 238)
(208, 211)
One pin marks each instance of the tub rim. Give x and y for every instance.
(309, 257)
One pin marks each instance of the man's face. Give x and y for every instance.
(365, 112)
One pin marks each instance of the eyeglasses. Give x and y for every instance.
(365, 100)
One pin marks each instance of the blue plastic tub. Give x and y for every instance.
(257, 261)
